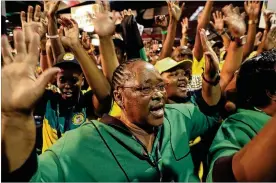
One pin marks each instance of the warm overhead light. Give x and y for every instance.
(7, 21)
(89, 28)
(95, 42)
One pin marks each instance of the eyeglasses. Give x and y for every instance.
(148, 90)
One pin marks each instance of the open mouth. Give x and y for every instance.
(157, 110)
(182, 86)
(68, 94)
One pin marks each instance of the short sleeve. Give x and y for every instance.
(197, 123)
(231, 137)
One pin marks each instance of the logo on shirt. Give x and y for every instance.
(78, 119)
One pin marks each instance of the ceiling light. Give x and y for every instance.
(89, 28)
(7, 21)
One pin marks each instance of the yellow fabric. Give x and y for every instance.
(49, 135)
(84, 91)
(115, 110)
(197, 66)
(253, 54)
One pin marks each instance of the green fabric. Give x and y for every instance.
(143, 54)
(235, 132)
(98, 152)
(74, 118)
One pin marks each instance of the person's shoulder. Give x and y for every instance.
(174, 110)
(179, 107)
(77, 139)
(247, 118)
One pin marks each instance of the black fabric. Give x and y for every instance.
(22, 174)
(222, 170)
(209, 110)
(131, 36)
(3, 25)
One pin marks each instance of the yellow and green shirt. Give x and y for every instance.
(59, 118)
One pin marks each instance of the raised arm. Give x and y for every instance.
(267, 17)
(93, 75)
(252, 9)
(185, 27)
(175, 13)
(56, 44)
(105, 28)
(203, 21)
(22, 92)
(211, 91)
(237, 28)
(218, 25)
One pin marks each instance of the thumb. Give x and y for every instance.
(44, 79)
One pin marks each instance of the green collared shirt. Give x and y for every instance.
(107, 151)
(235, 132)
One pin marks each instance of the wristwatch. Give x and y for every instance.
(240, 40)
(250, 22)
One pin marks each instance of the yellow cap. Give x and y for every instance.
(168, 63)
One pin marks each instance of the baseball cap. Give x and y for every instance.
(66, 59)
(168, 63)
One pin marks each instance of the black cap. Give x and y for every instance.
(66, 59)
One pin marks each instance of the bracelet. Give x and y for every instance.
(250, 22)
(164, 32)
(52, 37)
(213, 83)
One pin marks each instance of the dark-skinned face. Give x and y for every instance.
(177, 82)
(69, 81)
(143, 103)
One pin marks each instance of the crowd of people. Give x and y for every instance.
(131, 110)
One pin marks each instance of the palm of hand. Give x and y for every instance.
(72, 35)
(176, 11)
(236, 25)
(253, 9)
(103, 25)
(30, 28)
(16, 96)
(219, 24)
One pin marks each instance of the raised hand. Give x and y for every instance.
(219, 22)
(161, 20)
(174, 10)
(85, 40)
(211, 59)
(185, 25)
(252, 8)
(234, 20)
(71, 31)
(267, 18)
(103, 24)
(31, 25)
(22, 89)
(51, 7)
(258, 38)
